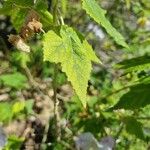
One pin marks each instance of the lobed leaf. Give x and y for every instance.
(74, 55)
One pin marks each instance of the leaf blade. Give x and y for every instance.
(68, 49)
(137, 97)
(98, 14)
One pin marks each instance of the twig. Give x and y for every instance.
(57, 129)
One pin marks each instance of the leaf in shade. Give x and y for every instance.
(5, 112)
(10, 80)
(135, 64)
(137, 97)
(134, 127)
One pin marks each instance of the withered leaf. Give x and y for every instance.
(32, 25)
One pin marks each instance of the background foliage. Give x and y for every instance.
(118, 89)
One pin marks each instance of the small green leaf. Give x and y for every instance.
(14, 142)
(45, 16)
(18, 18)
(15, 80)
(98, 14)
(75, 58)
(6, 7)
(64, 5)
(29, 106)
(23, 3)
(18, 107)
(20, 58)
(137, 97)
(91, 55)
(5, 112)
(134, 127)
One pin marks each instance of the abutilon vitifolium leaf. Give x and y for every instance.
(74, 55)
(98, 14)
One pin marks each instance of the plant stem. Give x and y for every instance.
(56, 103)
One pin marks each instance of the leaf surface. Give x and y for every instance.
(15, 80)
(134, 127)
(135, 64)
(74, 55)
(137, 97)
(98, 14)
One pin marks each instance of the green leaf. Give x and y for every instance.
(20, 58)
(5, 112)
(64, 5)
(15, 80)
(134, 127)
(18, 10)
(45, 16)
(29, 106)
(90, 54)
(18, 107)
(14, 142)
(6, 7)
(16, 13)
(137, 97)
(135, 64)
(98, 14)
(23, 3)
(72, 53)
(18, 18)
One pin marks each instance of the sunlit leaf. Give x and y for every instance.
(75, 57)
(18, 107)
(98, 14)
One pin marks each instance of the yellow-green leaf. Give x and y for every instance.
(74, 55)
(18, 107)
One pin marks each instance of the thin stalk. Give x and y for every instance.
(57, 129)
(56, 103)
